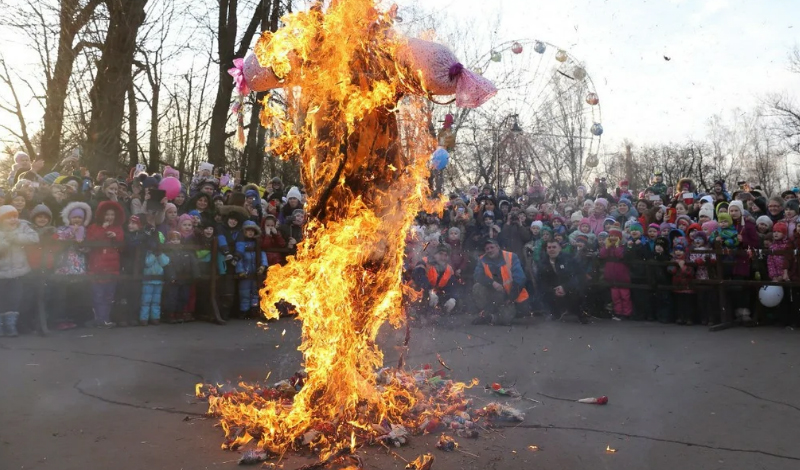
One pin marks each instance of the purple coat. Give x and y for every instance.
(615, 271)
(749, 240)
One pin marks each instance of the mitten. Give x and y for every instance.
(433, 299)
(449, 305)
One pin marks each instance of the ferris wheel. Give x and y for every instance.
(550, 102)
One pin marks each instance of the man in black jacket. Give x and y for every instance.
(559, 283)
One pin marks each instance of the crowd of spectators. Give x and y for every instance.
(111, 250)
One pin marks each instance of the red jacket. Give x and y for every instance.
(105, 260)
(273, 241)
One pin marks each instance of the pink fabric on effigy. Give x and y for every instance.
(442, 74)
(259, 78)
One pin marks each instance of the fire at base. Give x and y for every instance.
(356, 119)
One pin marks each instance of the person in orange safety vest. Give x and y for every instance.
(499, 292)
(437, 279)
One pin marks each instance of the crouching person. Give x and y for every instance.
(436, 278)
(558, 280)
(499, 292)
(14, 236)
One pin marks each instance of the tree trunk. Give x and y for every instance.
(112, 82)
(154, 151)
(71, 21)
(227, 31)
(133, 130)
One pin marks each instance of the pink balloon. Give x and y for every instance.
(171, 186)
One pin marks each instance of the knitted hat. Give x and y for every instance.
(169, 171)
(294, 193)
(537, 223)
(170, 206)
(19, 156)
(721, 205)
(655, 226)
(297, 212)
(576, 216)
(694, 226)
(7, 212)
(706, 210)
(276, 180)
(710, 226)
(736, 204)
(609, 220)
(662, 242)
(781, 227)
(626, 202)
(707, 198)
(636, 227)
(558, 218)
(41, 209)
(666, 225)
(764, 220)
(582, 238)
(454, 231)
(615, 231)
(50, 178)
(684, 218)
(601, 201)
(725, 217)
(442, 248)
(602, 235)
(585, 221)
(206, 166)
(488, 214)
(700, 234)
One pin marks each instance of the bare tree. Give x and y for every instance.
(14, 107)
(112, 82)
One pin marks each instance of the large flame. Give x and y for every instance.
(357, 125)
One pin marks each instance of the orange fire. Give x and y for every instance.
(355, 120)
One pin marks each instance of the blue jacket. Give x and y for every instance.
(246, 250)
(154, 266)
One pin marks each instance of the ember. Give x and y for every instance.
(356, 121)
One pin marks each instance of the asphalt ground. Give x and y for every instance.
(679, 397)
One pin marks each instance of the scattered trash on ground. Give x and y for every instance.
(594, 400)
(423, 462)
(446, 443)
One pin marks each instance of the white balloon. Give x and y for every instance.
(770, 296)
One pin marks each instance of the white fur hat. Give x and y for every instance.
(206, 166)
(82, 206)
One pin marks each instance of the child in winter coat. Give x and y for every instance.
(14, 237)
(272, 239)
(615, 271)
(203, 176)
(682, 276)
(764, 230)
(138, 241)
(637, 250)
(180, 272)
(76, 216)
(41, 257)
(104, 261)
(154, 263)
(251, 263)
(585, 228)
(205, 236)
(726, 233)
(778, 263)
(228, 234)
(702, 256)
(71, 262)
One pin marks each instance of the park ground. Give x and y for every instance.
(679, 397)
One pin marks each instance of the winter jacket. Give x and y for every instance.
(42, 255)
(702, 258)
(428, 276)
(247, 254)
(640, 252)
(13, 259)
(562, 272)
(458, 258)
(728, 236)
(596, 223)
(778, 262)
(183, 264)
(270, 241)
(682, 278)
(614, 271)
(106, 259)
(154, 266)
(749, 240)
(514, 237)
(517, 273)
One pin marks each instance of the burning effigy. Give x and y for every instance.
(356, 117)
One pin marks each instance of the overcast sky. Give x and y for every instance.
(724, 54)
